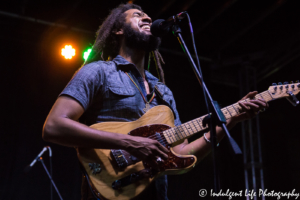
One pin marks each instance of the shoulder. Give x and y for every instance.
(97, 69)
(98, 66)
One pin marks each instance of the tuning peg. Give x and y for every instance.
(274, 84)
(297, 81)
(286, 83)
(291, 82)
(279, 83)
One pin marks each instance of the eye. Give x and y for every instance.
(137, 14)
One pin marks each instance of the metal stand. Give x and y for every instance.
(253, 170)
(216, 115)
(40, 159)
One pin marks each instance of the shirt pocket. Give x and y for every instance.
(120, 99)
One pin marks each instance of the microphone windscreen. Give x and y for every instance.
(157, 30)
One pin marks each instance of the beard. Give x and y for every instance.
(138, 40)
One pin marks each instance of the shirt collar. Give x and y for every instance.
(152, 80)
(119, 60)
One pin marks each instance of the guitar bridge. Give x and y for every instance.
(123, 158)
(119, 158)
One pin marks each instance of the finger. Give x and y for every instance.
(161, 154)
(248, 112)
(250, 95)
(266, 105)
(243, 106)
(162, 148)
(252, 105)
(262, 105)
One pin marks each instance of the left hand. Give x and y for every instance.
(250, 108)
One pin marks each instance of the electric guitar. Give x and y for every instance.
(115, 174)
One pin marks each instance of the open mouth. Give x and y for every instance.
(145, 27)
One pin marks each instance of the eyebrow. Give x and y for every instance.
(140, 12)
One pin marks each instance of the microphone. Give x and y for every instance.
(161, 27)
(38, 156)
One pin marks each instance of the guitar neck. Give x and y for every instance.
(186, 130)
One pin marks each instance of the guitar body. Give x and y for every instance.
(156, 120)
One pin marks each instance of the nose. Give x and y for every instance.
(146, 18)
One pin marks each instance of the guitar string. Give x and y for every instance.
(198, 128)
(179, 133)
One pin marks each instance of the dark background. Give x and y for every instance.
(230, 35)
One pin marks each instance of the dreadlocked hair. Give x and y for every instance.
(107, 44)
(158, 61)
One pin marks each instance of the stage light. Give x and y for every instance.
(68, 52)
(86, 54)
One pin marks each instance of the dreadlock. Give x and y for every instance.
(158, 61)
(107, 44)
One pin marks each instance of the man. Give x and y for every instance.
(119, 89)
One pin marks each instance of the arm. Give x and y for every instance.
(62, 127)
(200, 148)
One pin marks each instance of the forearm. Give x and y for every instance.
(67, 132)
(200, 148)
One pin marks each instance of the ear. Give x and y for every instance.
(119, 32)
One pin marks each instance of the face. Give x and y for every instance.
(138, 20)
(137, 31)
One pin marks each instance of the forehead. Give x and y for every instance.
(131, 12)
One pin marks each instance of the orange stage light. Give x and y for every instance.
(68, 52)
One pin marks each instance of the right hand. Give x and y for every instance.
(146, 149)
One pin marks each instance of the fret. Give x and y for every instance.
(170, 135)
(187, 128)
(270, 95)
(191, 125)
(235, 109)
(174, 134)
(229, 111)
(195, 126)
(225, 112)
(239, 107)
(199, 124)
(182, 130)
(261, 96)
(185, 131)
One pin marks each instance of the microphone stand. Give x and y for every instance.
(40, 159)
(215, 116)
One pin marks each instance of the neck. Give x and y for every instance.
(137, 57)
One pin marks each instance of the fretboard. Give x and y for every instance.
(188, 129)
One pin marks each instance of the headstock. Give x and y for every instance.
(285, 90)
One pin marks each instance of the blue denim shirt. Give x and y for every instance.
(107, 94)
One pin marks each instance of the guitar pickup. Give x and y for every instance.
(292, 99)
(132, 178)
